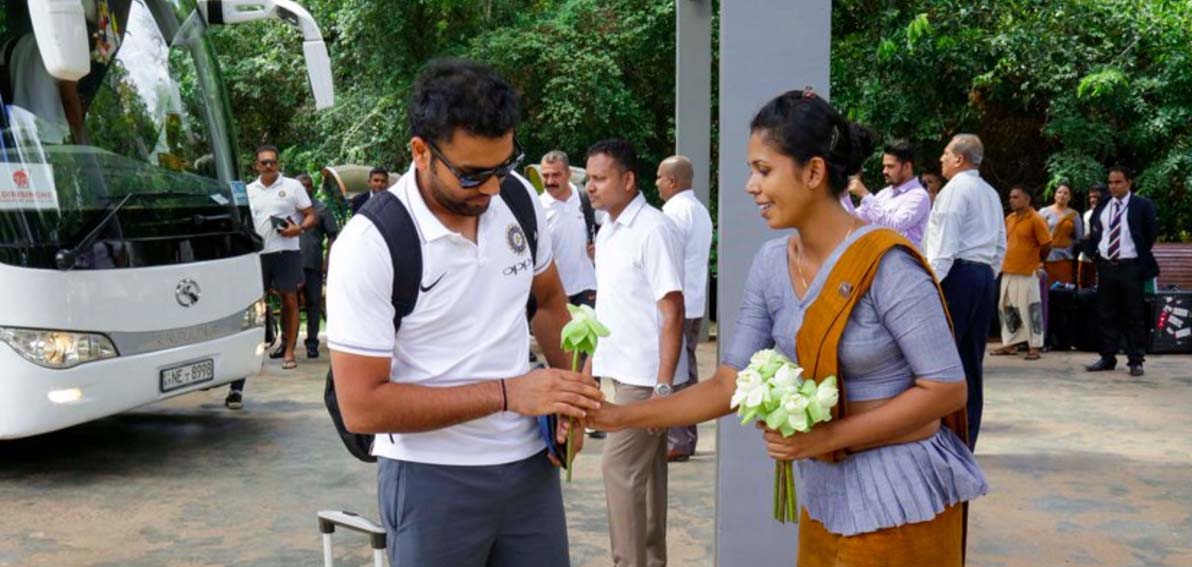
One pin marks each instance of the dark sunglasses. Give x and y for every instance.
(267, 162)
(473, 179)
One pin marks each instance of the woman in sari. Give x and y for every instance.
(1067, 229)
(897, 498)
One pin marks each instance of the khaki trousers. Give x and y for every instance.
(634, 467)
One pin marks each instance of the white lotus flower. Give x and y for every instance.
(752, 389)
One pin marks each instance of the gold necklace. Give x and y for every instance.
(799, 258)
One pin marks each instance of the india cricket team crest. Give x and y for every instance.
(516, 238)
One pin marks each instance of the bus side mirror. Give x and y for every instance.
(60, 28)
(318, 62)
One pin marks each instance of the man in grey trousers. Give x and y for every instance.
(464, 478)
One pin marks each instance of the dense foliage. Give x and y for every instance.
(1057, 89)
(587, 69)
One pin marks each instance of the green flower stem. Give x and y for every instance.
(571, 430)
(777, 490)
(792, 498)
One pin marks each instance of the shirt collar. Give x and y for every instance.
(631, 210)
(686, 194)
(1125, 201)
(912, 183)
(549, 200)
(260, 183)
(968, 172)
(429, 226)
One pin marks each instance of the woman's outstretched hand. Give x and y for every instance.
(609, 417)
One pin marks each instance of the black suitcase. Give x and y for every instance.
(1171, 322)
(1073, 320)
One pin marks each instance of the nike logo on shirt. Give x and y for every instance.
(426, 288)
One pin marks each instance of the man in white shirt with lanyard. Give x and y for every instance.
(675, 177)
(639, 271)
(965, 244)
(463, 476)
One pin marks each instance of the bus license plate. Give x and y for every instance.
(187, 374)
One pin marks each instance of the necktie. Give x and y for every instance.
(1115, 230)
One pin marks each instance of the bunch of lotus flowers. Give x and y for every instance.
(772, 390)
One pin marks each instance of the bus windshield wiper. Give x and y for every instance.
(66, 257)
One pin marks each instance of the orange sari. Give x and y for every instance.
(937, 542)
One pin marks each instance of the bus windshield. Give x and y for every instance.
(149, 120)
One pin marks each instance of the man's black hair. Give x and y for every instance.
(267, 148)
(902, 150)
(621, 152)
(452, 94)
(1125, 171)
(378, 171)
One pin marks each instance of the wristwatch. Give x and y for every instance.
(663, 390)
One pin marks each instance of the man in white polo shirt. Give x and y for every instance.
(281, 212)
(639, 273)
(675, 177)
(568, 229)
(463, 476)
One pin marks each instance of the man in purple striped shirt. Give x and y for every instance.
(904, 204)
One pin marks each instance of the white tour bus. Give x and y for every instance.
(128, 262)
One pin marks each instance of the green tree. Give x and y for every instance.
(1056, 90)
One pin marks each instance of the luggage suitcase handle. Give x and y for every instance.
(328, 519)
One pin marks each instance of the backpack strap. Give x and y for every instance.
(589, 215)
(391, 218)
(515, 195)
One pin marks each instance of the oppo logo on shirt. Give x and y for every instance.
(519, 267)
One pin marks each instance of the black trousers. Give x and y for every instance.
(313, 290)
(972, 299)
(1122, 309)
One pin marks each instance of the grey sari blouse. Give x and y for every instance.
(896, 334)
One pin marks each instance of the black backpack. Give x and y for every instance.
(395, 224)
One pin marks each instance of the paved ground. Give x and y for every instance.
(1085, 470)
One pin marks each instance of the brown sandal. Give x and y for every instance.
(1033, 356)
(1001, 352)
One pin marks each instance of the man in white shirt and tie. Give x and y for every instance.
(675, 177)
(1121, 234)
(965, 244)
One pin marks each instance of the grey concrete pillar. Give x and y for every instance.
(693, 88)
(766, 47)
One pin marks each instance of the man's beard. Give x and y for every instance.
(463, 208)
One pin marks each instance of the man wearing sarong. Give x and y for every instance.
(1019, 302)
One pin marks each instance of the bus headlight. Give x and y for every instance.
(254, 316)
(58, 349)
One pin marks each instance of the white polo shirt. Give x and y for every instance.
(569, 240)
(638, 261)
(468, 327)
(286, 197)
(694, 224)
